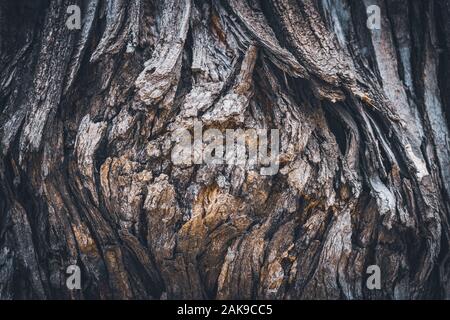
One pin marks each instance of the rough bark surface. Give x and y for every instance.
(86, 177)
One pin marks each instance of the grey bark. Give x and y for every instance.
(86, 177)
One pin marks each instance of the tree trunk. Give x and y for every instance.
(86, 126)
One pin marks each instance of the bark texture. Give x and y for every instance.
(86, 177)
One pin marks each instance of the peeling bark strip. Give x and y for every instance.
(360, 206)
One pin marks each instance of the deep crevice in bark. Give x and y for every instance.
(86, 176)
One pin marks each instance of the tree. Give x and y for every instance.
(86, 125)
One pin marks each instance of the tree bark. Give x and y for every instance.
(86, 177)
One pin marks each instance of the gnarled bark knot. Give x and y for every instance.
(87, 178)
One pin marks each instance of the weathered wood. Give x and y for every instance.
(86, 123)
